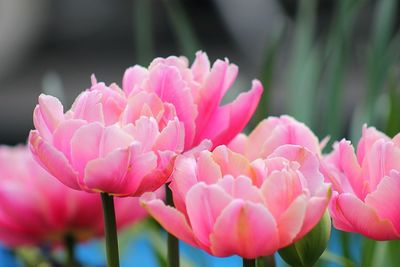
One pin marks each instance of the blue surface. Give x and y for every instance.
(139, 253)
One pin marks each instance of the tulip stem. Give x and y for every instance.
(110, 230)
(69, 243)
(266, 261)
(249, 262)
(172, 241)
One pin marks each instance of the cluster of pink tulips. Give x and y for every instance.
(227, 193)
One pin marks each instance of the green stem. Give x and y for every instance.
(110, 230)
(69, 243)
(172, 241)
(249, 262)
(266, 261)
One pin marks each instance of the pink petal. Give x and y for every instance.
(51, 111)
(145, 131)
(88, 106)
(309, 164)
(369, 136)
(239, 144)
(232, 163)
(184, 177)
(241, 187)
(167, 83)
(383, 157)
(246, 229)
(362, 218)
(108, 174)
(207, 169)
(114, 138)
(280, 189)
(200, 67)
(63, 135)
(142, 104)
(204, 204)
(172, 137)
(385, 200)
(85, 145)
(237, 113)
(219, 80)
(291, 221)
(170, 219)
(134, 78)
(53, 160)
(315, 210)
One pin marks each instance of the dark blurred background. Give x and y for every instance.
(332, 64)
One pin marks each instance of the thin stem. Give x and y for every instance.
(172, 241)
(110, 230)
(69, 243)
(266, 261)
(249, 262)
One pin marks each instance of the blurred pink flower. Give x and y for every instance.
(196, 92)
(108, 142)
(36, 209)
(366, 185)
(227, 205)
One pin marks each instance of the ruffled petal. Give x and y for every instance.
(229, 120)
(246, 229)
(385, 200)
(362, 218)
(53, 160)
(204, 204)
(170, 219)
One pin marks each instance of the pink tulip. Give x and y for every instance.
(227, 205)
(36, 209)
(272, 133)
(108, 142)
(366, 185)
(196, 93)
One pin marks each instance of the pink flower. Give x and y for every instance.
(36, 209)
(227, 205)
(108, 142)
(272, 133)
(196, 93)
(366, 185)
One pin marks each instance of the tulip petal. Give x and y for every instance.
(63, 135)
(107, 174)
(134, 77)
(230, 119)
(172, 137)
(85, 145)
(290, 222)
(362, 218)
(219, 80)
(385, 200)
(183, 178)
(167, 83)
(309, 164)
(232, 163)
(246, 229)
(200, 67)
(280, 189)
(316, 207)
(204, 204)
(241, 187)
(53, 160)
(51, 111)
(170, 219)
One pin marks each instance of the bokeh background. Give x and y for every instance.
(331, 64)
